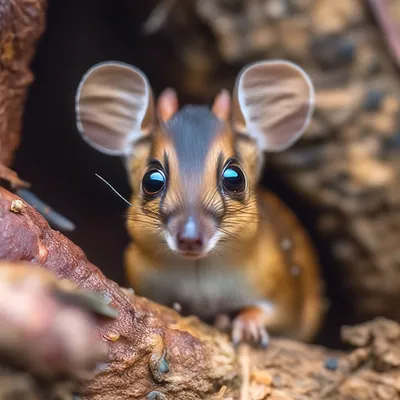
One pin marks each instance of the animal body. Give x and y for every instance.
(204, 234)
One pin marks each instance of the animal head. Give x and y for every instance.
(193, 169)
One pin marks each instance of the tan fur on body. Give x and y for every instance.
(265, 254)
(248, 255)
(288, 278)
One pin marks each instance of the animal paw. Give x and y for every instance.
(249, 326)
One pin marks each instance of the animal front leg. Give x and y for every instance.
(251, 324)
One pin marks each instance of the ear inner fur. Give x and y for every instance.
(114, 107)
(222, 105)
(167, 104)
(273, 102)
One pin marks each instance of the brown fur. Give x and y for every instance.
(210, 240)
(263, 253)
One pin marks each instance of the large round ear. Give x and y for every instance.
(114, 107)
(273, 102)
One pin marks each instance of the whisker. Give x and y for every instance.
(210, 197)
(113, 189)
(142, 222)
(162, 254)
(216, 251)
(223, 230)
(162, 244)
(227, 247)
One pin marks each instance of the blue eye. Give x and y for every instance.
(233, 179)
(153, 182)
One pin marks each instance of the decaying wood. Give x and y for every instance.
(21, 25)
(49, 343)
(347, 165)
(154, 353)
(139, 335)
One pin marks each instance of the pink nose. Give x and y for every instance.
(190, 238)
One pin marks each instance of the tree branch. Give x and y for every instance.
(155, 353)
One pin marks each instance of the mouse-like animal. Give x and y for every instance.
(204, 233)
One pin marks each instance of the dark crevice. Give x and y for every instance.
(61, 166)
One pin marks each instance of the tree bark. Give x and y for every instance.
(154, 353)
(22, 23)
(41, 357)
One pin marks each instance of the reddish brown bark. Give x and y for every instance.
(21, 25)
(41, 354)
(154, 353)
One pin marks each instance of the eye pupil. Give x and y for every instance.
(233, 179)
(231, 175)
(153, 182)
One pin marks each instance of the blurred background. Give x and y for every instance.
(341, 179)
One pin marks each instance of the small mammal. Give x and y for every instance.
(204, 234)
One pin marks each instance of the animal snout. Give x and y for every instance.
(190, 238)
(186, 243)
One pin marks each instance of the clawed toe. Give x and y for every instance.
(249, 331)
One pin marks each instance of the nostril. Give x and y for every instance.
(181, 240)
(189, 242)
(189, 237)
(198, 242)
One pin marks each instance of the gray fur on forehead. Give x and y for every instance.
(193, 130)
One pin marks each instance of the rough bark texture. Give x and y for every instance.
(347, 166)
(21, 25)
(198, 363)
(156, 354)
